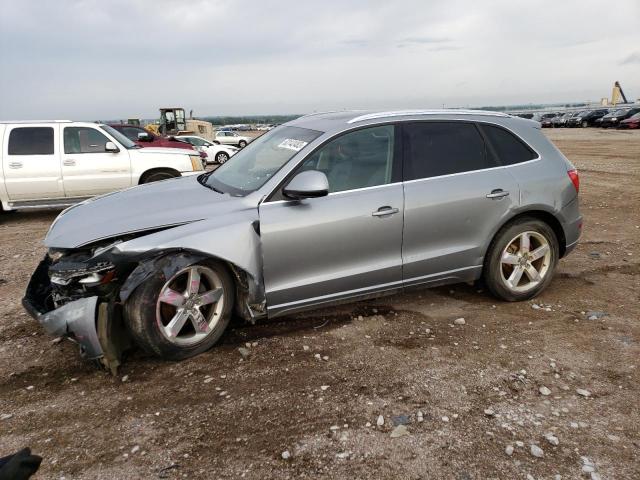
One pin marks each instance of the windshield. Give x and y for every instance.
(618, 113)
(124, 141)
(636, 116)
(197, 141)
(257, 162)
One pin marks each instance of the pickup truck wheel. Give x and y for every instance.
(158, 175)
(184, 315)
(242, 144)
(521, 259)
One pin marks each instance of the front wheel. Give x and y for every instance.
(158, 175)
(521, 260)
(585, 124)
(184, 315)
(221, 157)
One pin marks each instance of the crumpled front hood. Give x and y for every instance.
(145, 207)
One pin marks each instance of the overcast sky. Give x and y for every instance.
(111, 59)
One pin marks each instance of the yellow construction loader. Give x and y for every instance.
(174, 123)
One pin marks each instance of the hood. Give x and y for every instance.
(145, 207)
(165, 150)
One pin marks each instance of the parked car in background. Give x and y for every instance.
(326, 208)
(614, 118)
(587, 118)
(144, 138)
(546, 120)
(59, 163)
(632, 122)
(215, 152)
(232, 138)
(561, 120)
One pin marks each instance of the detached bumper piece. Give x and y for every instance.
(76, 320)
(93, 323)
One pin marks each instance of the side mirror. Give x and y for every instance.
(309, 184)
(111, 147)
(145, 137)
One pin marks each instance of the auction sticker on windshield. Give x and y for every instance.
(292, 144)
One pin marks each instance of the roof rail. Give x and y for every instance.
(404, 113)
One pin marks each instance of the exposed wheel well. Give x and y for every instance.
(151, 171)
(547, 218)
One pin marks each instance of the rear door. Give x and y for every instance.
(87, 169)
(31, 162)
(345, 244)
(455, 195)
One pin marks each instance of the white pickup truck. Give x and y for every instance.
(59, 163)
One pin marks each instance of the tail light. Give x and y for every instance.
(575, 179)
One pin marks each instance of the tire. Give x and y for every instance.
(150, 319)
(158, 175)
(221, 157)
(499, 272)
(242, 144)
(585, 124)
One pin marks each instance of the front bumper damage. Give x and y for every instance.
(93, 321)
(76, 320)
(91, 315)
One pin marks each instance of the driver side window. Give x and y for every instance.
(84, 140)
(359, 159)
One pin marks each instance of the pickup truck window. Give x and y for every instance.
(31, 141)
(83, 140)
(124, 141)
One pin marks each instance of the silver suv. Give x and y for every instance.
(327, 208)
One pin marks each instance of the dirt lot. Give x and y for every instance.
(476, 385)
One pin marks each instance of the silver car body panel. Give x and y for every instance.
(314, 251)
(77, 318)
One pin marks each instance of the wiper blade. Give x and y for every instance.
(202, 180)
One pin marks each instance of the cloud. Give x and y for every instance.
(96, 59)
(631, 59)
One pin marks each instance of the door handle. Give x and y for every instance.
(382, 211)
(497, 193)
(15, 164)
(69, 162)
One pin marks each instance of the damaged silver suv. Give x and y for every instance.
(327, 208)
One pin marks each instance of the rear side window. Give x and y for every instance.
(443, 148)
(509, 148)
(31, 141)
(84, 140)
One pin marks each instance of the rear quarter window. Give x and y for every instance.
(509, 148)
(31, 141)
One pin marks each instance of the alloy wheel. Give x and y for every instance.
(525, 261)
(190, 305)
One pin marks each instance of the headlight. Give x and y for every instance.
(196, 163)
(55, 255)
(614, 118)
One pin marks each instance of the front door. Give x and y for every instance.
(31, 163)
(87, 169)
(344, 245)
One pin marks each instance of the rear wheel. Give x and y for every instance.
(521, 260)
(242, 144)
(184, 315)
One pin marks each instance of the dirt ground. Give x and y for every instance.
(315, 385)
